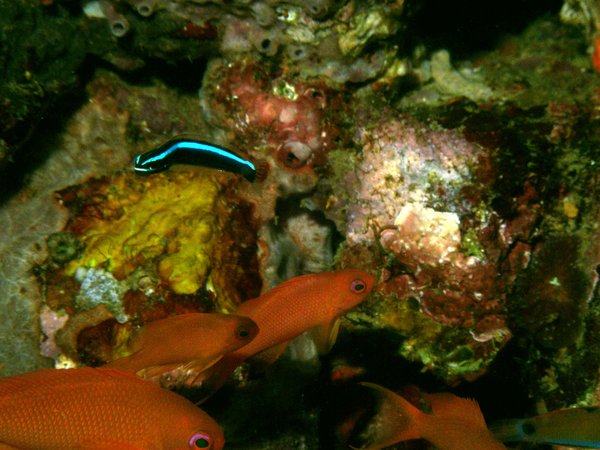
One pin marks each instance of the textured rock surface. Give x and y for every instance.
(468, 183)
(93, 142)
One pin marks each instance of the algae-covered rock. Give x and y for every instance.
(39, 56)
(169, 215)
(466, 182)
(149, 245)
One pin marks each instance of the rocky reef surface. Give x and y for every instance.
(462, 172)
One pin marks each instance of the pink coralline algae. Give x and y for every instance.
(414, 190)
(405, 164)
(277, 121)
(285, 115)
(453, 288)
(291, 115)
(422, 195)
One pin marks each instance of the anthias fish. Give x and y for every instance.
(194, 341)
(454, 423)
(576, 427)
(185, 150)
(310, 302)
(99, 408)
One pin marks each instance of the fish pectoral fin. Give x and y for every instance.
(324, 336)
(156, 371)
(508, 430)
(196, 366)
(269, 356)
(200, 365)
(213, 378)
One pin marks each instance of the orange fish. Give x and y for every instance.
(310, 302)
(455, 423)
(195, 341)
(596, 54)
(99, 408)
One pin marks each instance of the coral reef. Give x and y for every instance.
(147, 243)
(278, 119)
(298, 242)
(585, 13)
(93, 141)
(464, 178)
(99, 287)
(132, 224)
(339, 43)
(40, 57)
(334, 43)
(421, 196)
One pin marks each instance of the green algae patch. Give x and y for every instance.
(167, 216)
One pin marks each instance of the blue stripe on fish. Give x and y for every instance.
(182, 150)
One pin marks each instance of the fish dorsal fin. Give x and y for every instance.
(157, 329)
(281, 289)
(180, 320)
(49, 378)
(291, 283)
(324, 336)
(444, 404)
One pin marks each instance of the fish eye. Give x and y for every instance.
(200, 440)
(357, 286)
(243, 332)
(528, 428)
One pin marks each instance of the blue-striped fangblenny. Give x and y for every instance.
(185, 150)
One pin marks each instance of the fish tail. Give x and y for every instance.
(508, 430)
(397, 420)
(262, 170)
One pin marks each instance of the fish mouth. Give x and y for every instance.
(141, 170)
(135, 165)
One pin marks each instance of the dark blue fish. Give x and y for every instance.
(185, 150)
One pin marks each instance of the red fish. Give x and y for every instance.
(194, 341)
(99, 408)
(454, 423)
(310, 302)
